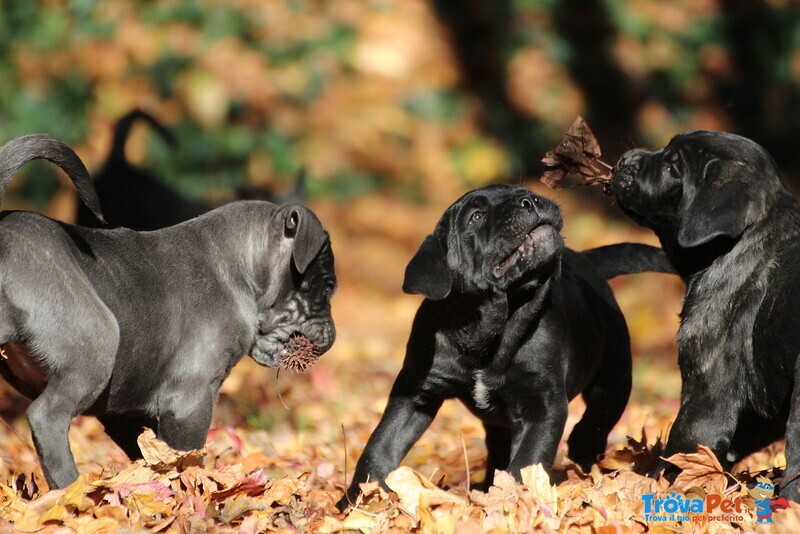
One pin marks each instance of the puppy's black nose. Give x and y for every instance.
(531, 203)
(622, 180)
(626, 168)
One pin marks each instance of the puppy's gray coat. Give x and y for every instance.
(141, 328)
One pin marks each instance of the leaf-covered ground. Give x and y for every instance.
(276, 454)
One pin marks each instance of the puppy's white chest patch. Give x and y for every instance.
(480, 392)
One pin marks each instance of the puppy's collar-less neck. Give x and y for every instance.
(494, 363)
(473, 321)
(483, 323)
(535, 296)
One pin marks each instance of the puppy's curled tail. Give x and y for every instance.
(21, 150)
(123, 129)
(628, 258)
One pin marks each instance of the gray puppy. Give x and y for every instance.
(141, 328)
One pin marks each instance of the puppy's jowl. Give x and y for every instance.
(732, 231)
(514, 325)
(141, 328)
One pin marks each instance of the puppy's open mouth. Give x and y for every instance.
(523, 251)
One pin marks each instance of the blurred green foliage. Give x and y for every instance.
(392, 95)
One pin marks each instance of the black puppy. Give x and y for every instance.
(732, 230)
(134, 197)
(514, 325)
(141, 328)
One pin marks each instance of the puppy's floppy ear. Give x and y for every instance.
(724, 203)
(306, 230)
(427, 273)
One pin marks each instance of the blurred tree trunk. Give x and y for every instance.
(480, 31)
(761, 97)
(612, 104)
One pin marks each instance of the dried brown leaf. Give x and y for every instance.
(552, 177)
(253, 484)
(358, 520)
(537, 481)
(412, 488)
(578, 153)
(158, 454)
(699, 468)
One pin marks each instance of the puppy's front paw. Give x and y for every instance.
(350, 497)
(342, 505)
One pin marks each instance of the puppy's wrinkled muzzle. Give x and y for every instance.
(622, 181)
(534, 226)
(323, 336)
(525, 250)
(623, 177)
(271, 338)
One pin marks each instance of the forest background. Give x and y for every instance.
(395, 108)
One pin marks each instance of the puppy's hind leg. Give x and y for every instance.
(70, 390)
(76, 338)
(605, 397)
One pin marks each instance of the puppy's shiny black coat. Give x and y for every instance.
(141, 328)
(732, 230)
(514, 325)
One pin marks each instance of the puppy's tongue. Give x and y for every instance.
(525, 247)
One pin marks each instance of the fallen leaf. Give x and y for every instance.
(578, 154)
(86, 524)
(699, 468)
(56, 513)
(358, 520)
(536, 479)
(252, 484)
(411, 487)
(283, 491)
(156, 453)
(159, 489)
(237, 506)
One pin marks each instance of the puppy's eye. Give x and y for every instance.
(476, 217)
(304, 285)
(674, 171)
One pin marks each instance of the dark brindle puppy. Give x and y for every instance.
(732, 230)
(141, 328)
(514, 325)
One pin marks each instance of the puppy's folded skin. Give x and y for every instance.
(154, 321)
(731, 229)
(513, 325)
